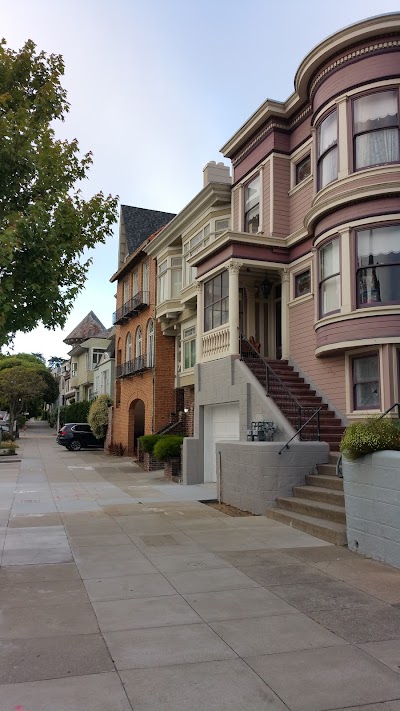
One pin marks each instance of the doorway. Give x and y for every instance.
(136, 423)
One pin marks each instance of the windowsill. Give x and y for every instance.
(301, 299)
(357, 313)
(303, 183)
(362, 414)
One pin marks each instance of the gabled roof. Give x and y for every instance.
(140, 223)
(89, 326)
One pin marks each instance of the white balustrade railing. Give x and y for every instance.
(216, 343)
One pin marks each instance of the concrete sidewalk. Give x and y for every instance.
(108, 604)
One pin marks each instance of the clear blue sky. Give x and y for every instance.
(157, 88)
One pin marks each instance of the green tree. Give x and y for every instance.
(18, 386)
(31, 361)
(98, 416)
(45, 223)
(55, 361)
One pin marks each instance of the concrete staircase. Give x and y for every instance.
(331, 428)
(316, 507)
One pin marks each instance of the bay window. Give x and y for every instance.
(378, 266)
(216, 310)
(327, 150)
(376, 129)
(365, 371)
(169, 279)
(176, 277)
(329, 277)
(162, 281)
(252, 206)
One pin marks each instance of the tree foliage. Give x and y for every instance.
(18, 386)
(77, 412)
(45, 223)
(98, 416)
(31, 361)
(55, 361)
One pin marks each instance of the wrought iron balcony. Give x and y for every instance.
(131, 367)
(131, 307)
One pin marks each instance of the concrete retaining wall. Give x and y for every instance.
(252, 474)
(372, 500)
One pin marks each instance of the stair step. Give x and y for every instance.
(329, 469)
(326, 530)
(319, 493)
(312, 508)
(324, 480)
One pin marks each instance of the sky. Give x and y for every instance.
(156, 88)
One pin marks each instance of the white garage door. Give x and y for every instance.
(221, 422)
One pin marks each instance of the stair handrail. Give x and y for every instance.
(267, 365)
(316, 413)
(339, 469)
(300, 407)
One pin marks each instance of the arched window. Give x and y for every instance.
(150, 344)
(128, 348)
(138, 345)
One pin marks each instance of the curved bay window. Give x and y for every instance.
(376, 129)
(216, 308)
(327, 150)
(329, 277)
(378, 266)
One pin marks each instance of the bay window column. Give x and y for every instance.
(200, 322)
(285, 297)
(343, 139)
(233, 271)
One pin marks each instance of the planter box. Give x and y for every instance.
(150, 463)
(372, 500)
(173, 469)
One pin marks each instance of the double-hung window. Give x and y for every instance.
(189, 347)
(303, 169)
(125, 291)
(329, 280)
(216, 308)
(96, 357)
(327, 150)
(135, 282)
(252, 206)
(146, 283)
(176, 277)
(376, 129)
(162, 281)
(378, 266)
(366, 382)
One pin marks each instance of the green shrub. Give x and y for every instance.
(77, 412)
(8, 445)
(168, 447)
(7, 437)
(147, 442)
(21, 420)
(117, 449)
(98, 416)
(372, 435)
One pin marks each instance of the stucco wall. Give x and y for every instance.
(252, 474)
(372, 500)
(223, 381)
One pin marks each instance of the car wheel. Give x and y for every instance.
(75, 445)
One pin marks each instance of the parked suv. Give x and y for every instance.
(75, 435)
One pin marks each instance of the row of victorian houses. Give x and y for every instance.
(276, 291)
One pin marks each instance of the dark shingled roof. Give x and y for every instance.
(141, 223)
(89, 326)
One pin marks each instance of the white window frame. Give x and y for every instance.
(188, 336)
(247, 210)
(135, 282)
(169, 278)
(146, 279)
(150, 339)
(138, 342)
(128, 347)
(198, 241)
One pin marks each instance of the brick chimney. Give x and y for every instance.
(216, 173)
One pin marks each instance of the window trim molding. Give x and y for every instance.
(324, 244)
(364, 228)
(258, 174)
(318, 159)
(350, 355)
(369, 92)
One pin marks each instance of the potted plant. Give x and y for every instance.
(168, 450)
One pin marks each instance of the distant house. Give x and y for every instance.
(89, 341)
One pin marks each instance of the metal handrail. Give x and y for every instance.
(141, 298)
(339, 471)
(316, 413)
(284, 398)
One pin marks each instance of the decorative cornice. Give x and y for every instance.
(350, 57)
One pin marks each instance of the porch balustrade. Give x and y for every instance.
(216, 343)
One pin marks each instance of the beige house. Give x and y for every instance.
(89, 341)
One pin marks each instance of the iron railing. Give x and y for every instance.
(130, 367)
(339, 468)
(133, 305)
(305, 419)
